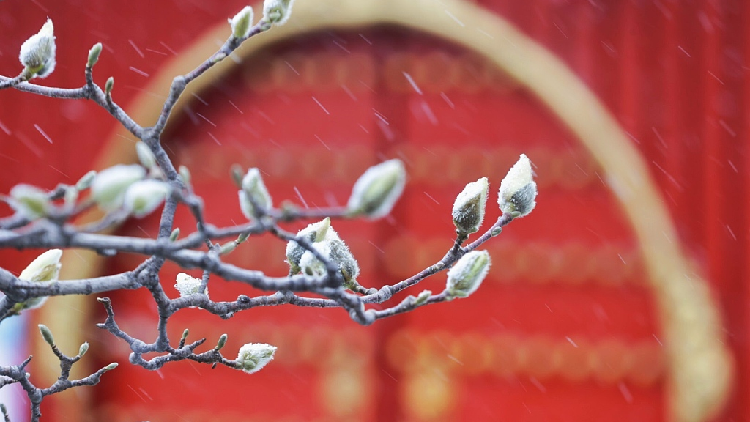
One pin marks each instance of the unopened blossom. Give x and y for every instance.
(46, 267)
(254, 356)
(377, 190)
(466, 275)
(468, 209)
(109, 186)
(38, 52)
(242, 22)
(517, 195)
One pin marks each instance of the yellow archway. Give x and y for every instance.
(700, 365)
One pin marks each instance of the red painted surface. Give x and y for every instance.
(673, 74)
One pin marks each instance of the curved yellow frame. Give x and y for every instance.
(700, 366)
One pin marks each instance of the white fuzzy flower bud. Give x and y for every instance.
(242, 22)
(85, 181)
(254, 356)
(518, 190)
(145, 155)
(30, 201)
(108, 87)
(253, 188)
(468, 210)
(38, 52)
(277, 12)
(467, 274)
(94, 53)
(46, 267)
(311, 265)
(376, 191)
(326, 241)
(314, 232)
(188, 285)
(109, 186)
(143, 196)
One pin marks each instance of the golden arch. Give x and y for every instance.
(700, 366)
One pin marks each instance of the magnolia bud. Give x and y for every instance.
(254, 356)
(188, 285)
(109, 186)
(517, 195)
(83, 349)
(228, 247)
(377, 190)
(314, 232)
(222, 342)
(185, 175)
(328, 243)
(311, 265)
(467, 274)
(241, 22)
(47, 334)
(341, 255)
(143, 196)
(277, 11)
(421, 299)
(111, 366)
(30, 201)
(85, 181)
(94, 53)
(38, 52)
(108, 86)
(70, 197)
(468, 210)
(145, 156)
(46, 267)
(253, 188)
(174, 235)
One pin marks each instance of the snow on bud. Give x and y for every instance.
(241, 22)
(341, 255)
(109, 186)
(143, 196)
(468, 210)
(30, 201)
(376, 191)
(94, 53)
(517, 195)
(467, 274)
(253, 188)
(277, 12)
(188, 285)
(422, 298)
(145, 156)
(311, 265)
(38, 52)
(254, 356)
(314, 232)
(46, 267)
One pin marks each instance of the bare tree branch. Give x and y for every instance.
(320, 263)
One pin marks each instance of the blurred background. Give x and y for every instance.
(622, 297)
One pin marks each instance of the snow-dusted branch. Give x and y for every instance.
(320, 263)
